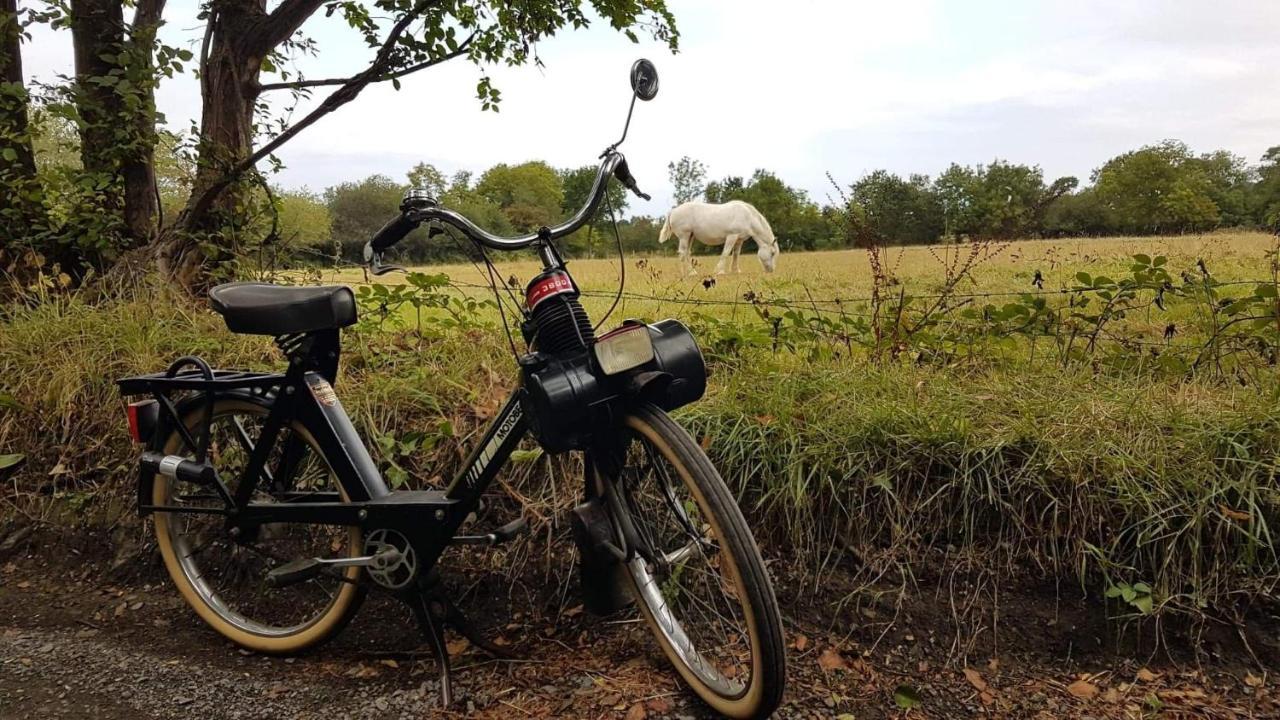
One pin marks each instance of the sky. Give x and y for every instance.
(805, 88)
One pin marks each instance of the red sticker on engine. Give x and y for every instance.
(554, 284)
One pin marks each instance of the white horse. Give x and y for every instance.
(729, 224)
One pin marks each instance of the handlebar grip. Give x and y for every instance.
(623, 173)
(393, 232)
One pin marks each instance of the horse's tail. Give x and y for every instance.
(665, 232)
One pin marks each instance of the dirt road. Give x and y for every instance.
(74, 646)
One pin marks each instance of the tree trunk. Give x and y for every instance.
(141, 194)
(229, 93)
(117, 127)
(22, 211)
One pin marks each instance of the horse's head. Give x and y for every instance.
(768, 255)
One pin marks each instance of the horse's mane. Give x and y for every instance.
(764, 225)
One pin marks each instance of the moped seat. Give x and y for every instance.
(257, 308)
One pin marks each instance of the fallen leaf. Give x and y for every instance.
(1112, 696)
(659, 705)
(391, 663)
(975, 679)
(986, 698)
(456, 646)
(831, 659)
(1234, 514)
(1252, 680)
(24, 584)
(993, 664)
(705, 442)
(637, 712)
(801, 643)
(1146, 675)
(1083, 689)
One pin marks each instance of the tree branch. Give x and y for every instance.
(299, 84)
(349, 91)
(282, 23)
(146, 16)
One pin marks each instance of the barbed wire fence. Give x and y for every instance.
(839, 324)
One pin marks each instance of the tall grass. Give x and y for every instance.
(1113, 479)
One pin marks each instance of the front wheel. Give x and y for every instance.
(696, 573)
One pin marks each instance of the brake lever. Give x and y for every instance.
(374, 261)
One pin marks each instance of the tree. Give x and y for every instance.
(407, 36)
(688, 179)
(1074, 214)
(576, 184)
(1264, 199)
(359, 209)
(22, 212)
(1002, 200)
(304, 220)
(426, 177)
(888, 210)
(114, 97)
(530, 194)
(1158, 188)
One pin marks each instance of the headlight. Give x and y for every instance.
(623, 349)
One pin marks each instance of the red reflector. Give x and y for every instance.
(135, 428)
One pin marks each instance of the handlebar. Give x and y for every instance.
(417, 210)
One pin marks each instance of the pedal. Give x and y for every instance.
(507, 532)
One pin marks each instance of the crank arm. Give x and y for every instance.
(304, 569)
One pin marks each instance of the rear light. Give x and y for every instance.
(627, 347)
(142, 420)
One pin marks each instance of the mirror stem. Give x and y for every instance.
(625, 128)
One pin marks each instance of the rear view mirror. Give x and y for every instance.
(644, 79)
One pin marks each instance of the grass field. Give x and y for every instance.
(1118, 479)
(845, 274)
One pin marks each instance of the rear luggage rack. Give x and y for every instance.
(201, 378)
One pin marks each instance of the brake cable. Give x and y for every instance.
(622, 260)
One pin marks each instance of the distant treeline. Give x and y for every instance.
(1163, 188)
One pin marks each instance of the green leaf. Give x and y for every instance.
(11, 461)
(1113, 592)
(1142, 587)
(1160, 260)
(906, 697)
(10, 154)
(1084, 278)
(1266, 290)
(1142, 259)
(1143, 603)
(525, 456)
(9, 401)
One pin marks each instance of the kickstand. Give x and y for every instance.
(434, 611)
(432, 624)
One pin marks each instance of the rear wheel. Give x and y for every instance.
(223, 576)
(698, 576)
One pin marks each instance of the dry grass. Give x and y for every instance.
(845, 274)
(1064, 472)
